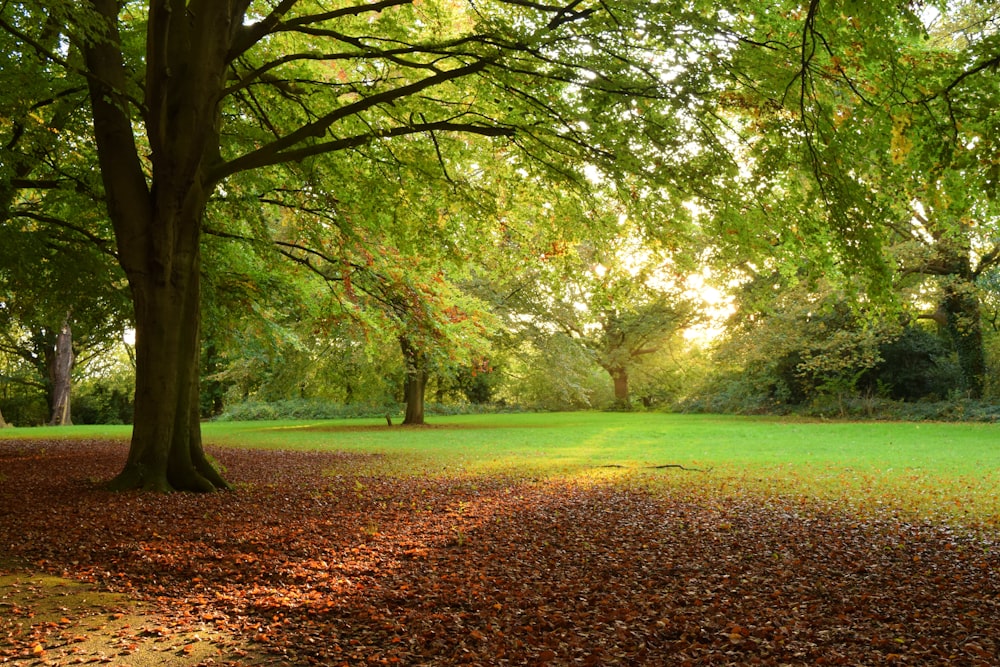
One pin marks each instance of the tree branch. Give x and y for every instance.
(250, 35)
(262, 159)
(280, 150)
(993, 63)
(104, 245)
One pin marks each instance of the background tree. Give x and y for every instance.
(898, 130)
(944, 141)
(56, 272)
(622, 318)
(801, 344)
(52, 285)
(386, 242)
(589, 275)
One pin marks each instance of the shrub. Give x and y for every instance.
(103, 405)
(25, 410)
(317, 409)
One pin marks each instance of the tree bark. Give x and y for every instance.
(166, 452)
(3, 424)
(60, 377)
(415, 384)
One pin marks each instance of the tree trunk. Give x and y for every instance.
(166, 452)
(620, 378)
(415, 383)
(60, 377)
(157, 216)
(3, 424)
(965, 329)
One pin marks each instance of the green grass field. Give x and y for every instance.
(935, 470)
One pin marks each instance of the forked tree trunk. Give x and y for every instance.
(157, 216)
(60, 377)
(415, 384)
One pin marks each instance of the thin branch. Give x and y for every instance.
(104, 245)
(440, 157)
(261, 159)
(356, 10)
(35, 183)
(992, 63)
(249, 35)
(39, 48)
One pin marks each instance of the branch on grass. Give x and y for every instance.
(659, 467)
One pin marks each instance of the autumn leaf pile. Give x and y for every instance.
(312, 562)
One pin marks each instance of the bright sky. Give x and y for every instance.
(716, 305)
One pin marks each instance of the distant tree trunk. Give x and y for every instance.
(415, 383)
(3, 424)
(60, 377)
(212, 391)
(963, 323)
(620, 377)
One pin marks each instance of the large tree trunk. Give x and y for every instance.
(157, 216)
(3, 424)
(415, 384)
(166, 452)
(60, 377)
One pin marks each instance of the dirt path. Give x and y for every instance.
(50, 620)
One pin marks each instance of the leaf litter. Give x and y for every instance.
(315, 561)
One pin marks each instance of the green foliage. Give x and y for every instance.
(796, 341)
(554, 373)
(303, 409)
(479, 385)
(671, 376)
(100, 403)
(313, 409)
(899, 120)
(25, 408)
(915, 366)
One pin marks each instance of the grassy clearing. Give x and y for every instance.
(937, 470)
(943, 471)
